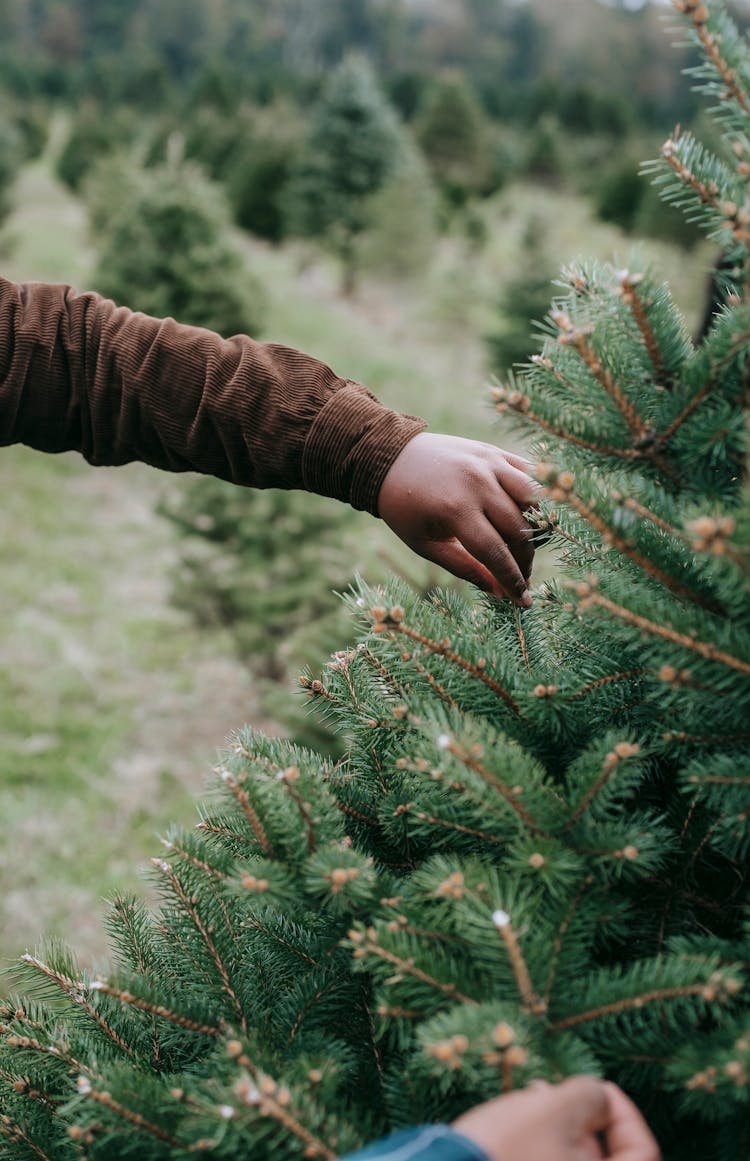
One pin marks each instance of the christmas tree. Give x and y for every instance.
(450, 128)
(165, 246)
(525, 297)
(532, 859)
(264, 565)
(355, 146)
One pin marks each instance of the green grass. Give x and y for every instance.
(101, 739)
(112, 704)
(47, 234)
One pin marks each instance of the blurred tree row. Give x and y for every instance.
(348, 171)
(477, 92)
(515, 56)
(261, 564)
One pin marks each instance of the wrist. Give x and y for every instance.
(352, 445)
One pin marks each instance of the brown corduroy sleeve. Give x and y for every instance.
(79, 373)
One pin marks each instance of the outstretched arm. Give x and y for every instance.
(79, 373)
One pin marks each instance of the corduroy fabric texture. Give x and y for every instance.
(79, 373)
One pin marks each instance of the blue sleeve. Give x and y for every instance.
(423, 1143)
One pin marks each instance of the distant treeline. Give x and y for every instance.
(596, 66)
(484, 91)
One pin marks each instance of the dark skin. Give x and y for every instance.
(460, 503)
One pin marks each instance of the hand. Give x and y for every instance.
(582, 1119)
(460, 503)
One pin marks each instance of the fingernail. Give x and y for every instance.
(525, 599)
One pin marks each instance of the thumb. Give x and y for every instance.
(628, 1136)
(582, 1105)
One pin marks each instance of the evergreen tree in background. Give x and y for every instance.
(403, 223)
(256, 185)
(261, 163)
(164, 247)
(269, 569)
(625, 197)
(91, 137)
(524, 302)
(532, 860)
(249, 150)
(450, 127)
(266, 566)
(355, 145)
(10, 159)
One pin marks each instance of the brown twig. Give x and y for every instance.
(635, 1002)
(75, 990)
(529, 998)
(205, 934)
(704, 648)
(600, 681)
(626, 548)
(131, 1001)
(242, 797)
(571, 335)
(442, 649)
(699, 14)
(369, 946)
(632, 299)
(16, 1134)
(107, 1101)
(492, 780)
(441, 822)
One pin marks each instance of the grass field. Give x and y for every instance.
(112, 704)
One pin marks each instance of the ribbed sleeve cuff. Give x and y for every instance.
(351, 445)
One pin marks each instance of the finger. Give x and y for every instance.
(628, 1136)
(514, 530)
(583, 1104)
(523, 463)
(519, 485)
(481, 539)
(452, 555)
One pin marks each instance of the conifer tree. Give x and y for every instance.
(10, 158)
(525, 299)
(266, 566)
(164, 247)
(89, 139)
(450, 127)
(532, 860)
(262, 564)
(355, 145)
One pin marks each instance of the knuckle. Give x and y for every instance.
(476, 475)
